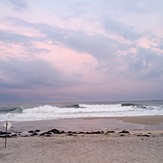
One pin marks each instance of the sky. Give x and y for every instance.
(81, 50)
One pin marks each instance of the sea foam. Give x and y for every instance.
(49, 112)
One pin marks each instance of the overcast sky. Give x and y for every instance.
(78, 50)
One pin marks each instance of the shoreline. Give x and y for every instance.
(142, 120)
(91, 123)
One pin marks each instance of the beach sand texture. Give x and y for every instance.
(82, 149)
(137, 146)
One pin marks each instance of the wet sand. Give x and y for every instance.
(144, 120)
(143, 143)
(137, 122)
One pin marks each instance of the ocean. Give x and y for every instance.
(48, 111)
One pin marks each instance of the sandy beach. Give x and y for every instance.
(143, 141)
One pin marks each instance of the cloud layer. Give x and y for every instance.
(77, 51)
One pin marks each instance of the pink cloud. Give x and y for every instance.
(67, 60)
(11, 50)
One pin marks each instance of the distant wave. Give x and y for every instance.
(134, 105)
(72, 106)
(11, 110)
(130, 104)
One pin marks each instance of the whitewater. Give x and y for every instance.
(50, 112)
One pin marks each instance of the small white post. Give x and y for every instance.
(6, 135)
(7, 126)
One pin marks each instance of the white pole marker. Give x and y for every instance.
(7, 125)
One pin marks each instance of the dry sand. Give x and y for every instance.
(83, 149)
(142, 145)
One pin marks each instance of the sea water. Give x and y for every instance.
(81, 110)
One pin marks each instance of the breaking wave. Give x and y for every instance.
(49, 112)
